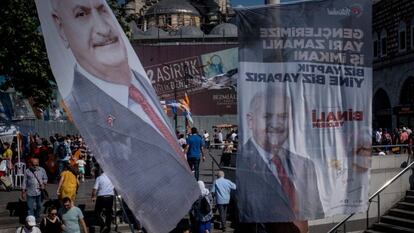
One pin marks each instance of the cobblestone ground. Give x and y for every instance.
(8, 224)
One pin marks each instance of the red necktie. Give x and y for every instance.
(287, 184)
(137, 96)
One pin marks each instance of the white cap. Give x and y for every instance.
(31, 220)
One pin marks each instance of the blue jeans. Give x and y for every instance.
(204, 226)
(34, 205)
(61, 166)
(194, 164)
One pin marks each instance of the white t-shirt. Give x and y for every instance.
(220, 137)
(25, 230)
(103, 186)
(206, 137)
(182, 141)
(81, 163)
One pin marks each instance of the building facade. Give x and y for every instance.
(171, 15)
(393, 85)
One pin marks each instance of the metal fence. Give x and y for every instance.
(46, 128)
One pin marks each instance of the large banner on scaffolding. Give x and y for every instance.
(116, 110)
(305, 110)
(206, 72)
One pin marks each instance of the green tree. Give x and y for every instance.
(23, 58)
(121, 15)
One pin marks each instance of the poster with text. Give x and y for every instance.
(304, 92)
(207, 73)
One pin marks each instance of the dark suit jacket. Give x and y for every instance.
(260, 196)
(155, 183)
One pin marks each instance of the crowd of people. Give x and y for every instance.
(194, 146)
(52, 153)
(227, 144)
(63, 215)
(66, 161)
(383, 140)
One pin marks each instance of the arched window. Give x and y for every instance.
(375, 40)
(383, 42)
(402, 37)
(381, 109)
(407, 92)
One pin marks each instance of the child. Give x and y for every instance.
(81, 166)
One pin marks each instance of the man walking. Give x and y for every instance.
(35, 179)
(72, 217)
(103, 194)
(195, 146)
(221, 189)
(63, 154)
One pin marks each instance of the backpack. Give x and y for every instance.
(205, 207)
(61, 152)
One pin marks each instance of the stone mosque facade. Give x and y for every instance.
(171, 15)
(393, 84)
(205, 22)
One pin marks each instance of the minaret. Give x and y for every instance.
(222, 5)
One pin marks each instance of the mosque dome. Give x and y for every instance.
(172, 7)
(136, 32)
(190, 31)
(226, 29)
(154, 31)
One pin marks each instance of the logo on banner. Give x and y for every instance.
(354, 10)
(335, 119)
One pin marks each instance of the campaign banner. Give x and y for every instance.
(116, 110)
(208, 73)
(305, 110)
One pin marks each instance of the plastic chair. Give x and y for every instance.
(18, 174)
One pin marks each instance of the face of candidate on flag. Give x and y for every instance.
(87, 27)
(268, 120)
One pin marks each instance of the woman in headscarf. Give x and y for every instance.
(202, 211)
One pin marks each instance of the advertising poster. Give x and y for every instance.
(116, 110)
(207, 73)
(305, 90)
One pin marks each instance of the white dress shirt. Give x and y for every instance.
(120, 93)
(267, 158)
(103, 186)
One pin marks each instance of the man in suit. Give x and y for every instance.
(118, 113)
(277, 188)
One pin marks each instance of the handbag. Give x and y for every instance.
(44, 195)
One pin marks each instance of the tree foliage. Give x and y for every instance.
(23, 58)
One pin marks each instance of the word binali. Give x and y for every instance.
(335, 119)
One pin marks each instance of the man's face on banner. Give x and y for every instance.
(269, 121)
(88, 29)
